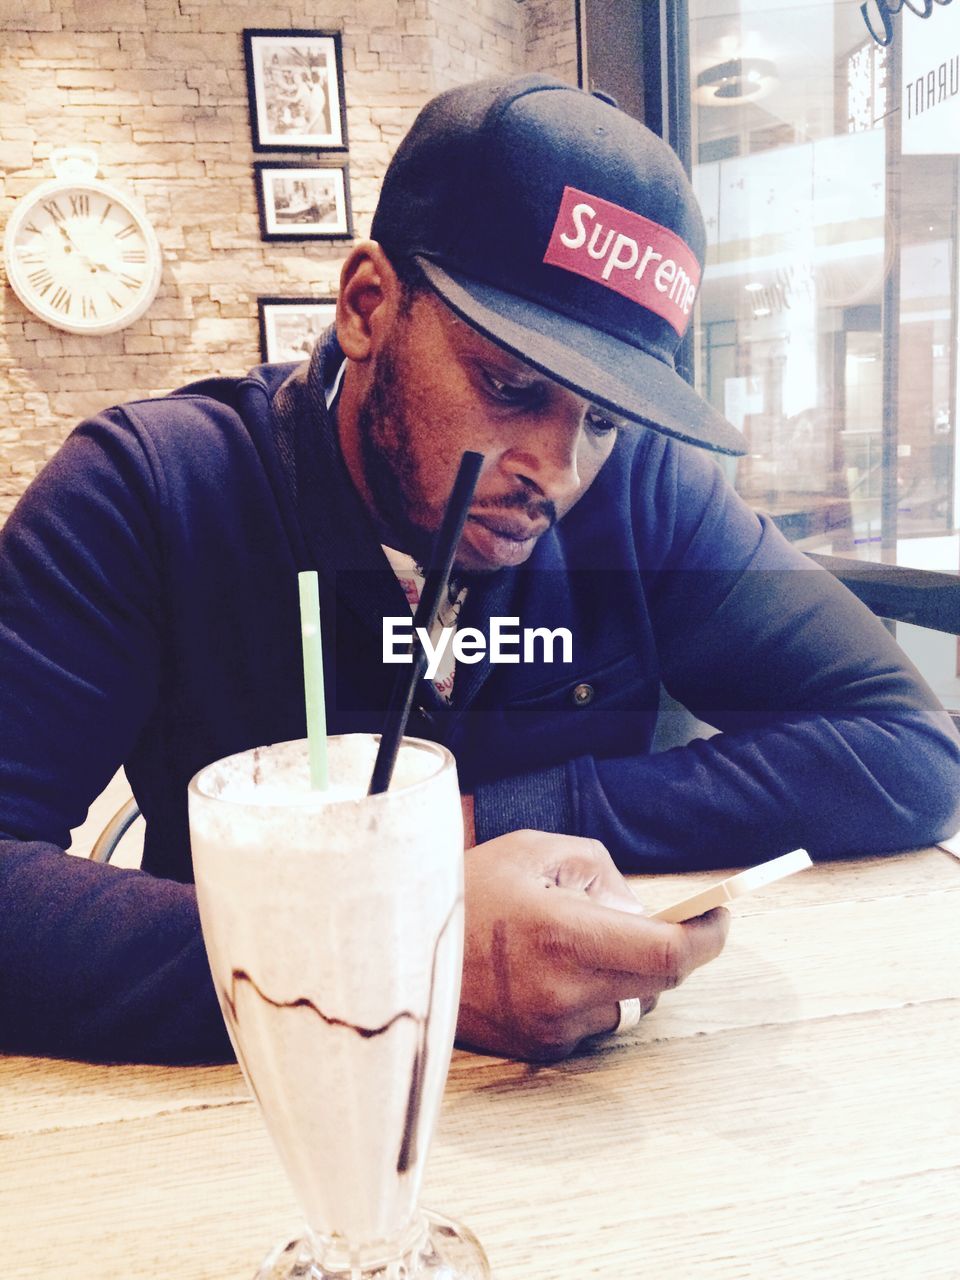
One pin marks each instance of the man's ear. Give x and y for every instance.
(369, 300)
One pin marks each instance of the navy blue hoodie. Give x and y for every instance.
(149, 617)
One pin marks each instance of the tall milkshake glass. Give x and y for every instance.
(333, 922)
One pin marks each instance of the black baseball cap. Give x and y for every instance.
(566, 232)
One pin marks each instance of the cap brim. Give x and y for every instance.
(603, 369)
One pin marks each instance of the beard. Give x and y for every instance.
(389, 465)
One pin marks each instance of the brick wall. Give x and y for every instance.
(159, 87)
(550, 37)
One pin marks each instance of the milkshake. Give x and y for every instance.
(333, 923)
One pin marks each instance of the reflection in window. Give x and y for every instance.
(827, 168)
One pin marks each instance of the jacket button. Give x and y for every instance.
(582, 695)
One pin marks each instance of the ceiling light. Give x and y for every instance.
(737, 80)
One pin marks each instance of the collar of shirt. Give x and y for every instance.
(332, 389)
(410, 575)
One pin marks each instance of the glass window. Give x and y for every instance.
(826, 162)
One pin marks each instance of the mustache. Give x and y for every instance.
(533, 508)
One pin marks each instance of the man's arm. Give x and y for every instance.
(102, 963)
(830, 739)
(95, 962)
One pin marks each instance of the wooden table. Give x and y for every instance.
(792, 1110)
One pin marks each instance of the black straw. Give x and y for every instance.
(434, 588)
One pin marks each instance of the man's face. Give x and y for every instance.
(436, 389)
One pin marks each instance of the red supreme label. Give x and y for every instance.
(625, 252)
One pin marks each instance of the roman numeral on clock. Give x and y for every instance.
(88, 310)
(80, 205)
(129, 230)
(41, 280)
(134, 255)
(61, 300)
(130, 281)
(54, 210)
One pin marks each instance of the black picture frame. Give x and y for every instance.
(295, 88)
(309, 201)
(289, 327)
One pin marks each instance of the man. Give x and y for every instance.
(533, 264)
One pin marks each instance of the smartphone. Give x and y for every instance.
(735, 887)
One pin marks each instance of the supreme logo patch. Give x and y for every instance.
(625, 252)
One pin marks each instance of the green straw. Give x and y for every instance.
(313, 678)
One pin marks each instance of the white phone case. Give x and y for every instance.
(735, 887)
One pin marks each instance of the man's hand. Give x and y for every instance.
(469, 830)
(554, 938)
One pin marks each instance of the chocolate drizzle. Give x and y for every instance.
(408, 1145)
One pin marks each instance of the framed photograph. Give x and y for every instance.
(303, 201)
(289, 327)
(295, 83)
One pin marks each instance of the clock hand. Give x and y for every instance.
(68, 237)
(94, 266)
(73, 245)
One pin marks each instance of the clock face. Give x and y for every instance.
(82, 257)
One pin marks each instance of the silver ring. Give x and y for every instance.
(631, 1011)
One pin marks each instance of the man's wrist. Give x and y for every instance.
(538, 801)
(469, 828)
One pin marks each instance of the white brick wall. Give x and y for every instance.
(159, 87)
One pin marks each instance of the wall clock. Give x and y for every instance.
(80, 253)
